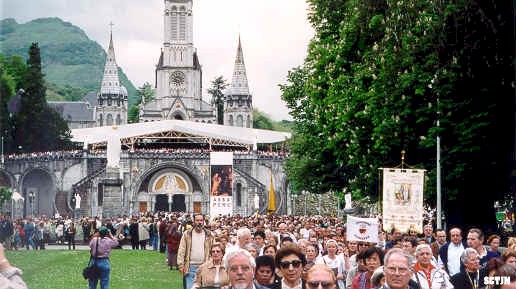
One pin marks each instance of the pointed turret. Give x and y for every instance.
(110, 80)
(238, 102)
(112, 100)
(239, 84)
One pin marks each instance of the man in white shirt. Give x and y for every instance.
(449, 254)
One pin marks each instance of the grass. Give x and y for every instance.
(62, 269)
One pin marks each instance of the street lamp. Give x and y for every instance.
(31, 203)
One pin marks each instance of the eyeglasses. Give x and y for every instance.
(399, 270)
(315, 284)
(286, 264)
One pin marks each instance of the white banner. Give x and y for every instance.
(362, 229)
(403, 199)
(221, 183)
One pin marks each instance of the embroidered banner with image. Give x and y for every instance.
(403, 199)
(221, 183)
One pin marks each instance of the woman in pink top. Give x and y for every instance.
(100, 248)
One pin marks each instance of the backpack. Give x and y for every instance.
(22, 233)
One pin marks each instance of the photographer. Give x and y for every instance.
(100, 247)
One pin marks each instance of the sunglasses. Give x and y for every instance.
(315, 284)
(286, 264)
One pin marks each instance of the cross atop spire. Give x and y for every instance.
(111, 26)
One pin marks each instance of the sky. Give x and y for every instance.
(274, 34)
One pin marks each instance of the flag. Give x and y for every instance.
(362, 229)
(272, 199)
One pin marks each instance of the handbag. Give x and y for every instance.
(92, 272)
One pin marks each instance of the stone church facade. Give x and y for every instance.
(178, 72)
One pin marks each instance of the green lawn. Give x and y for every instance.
(62, 269)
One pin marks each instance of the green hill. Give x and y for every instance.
(72, 62)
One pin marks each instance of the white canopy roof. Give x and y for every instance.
(241, 135)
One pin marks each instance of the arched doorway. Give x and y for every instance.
(39, 192)
(167, 189)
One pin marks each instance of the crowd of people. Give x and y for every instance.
(289, 251)
(59, 155)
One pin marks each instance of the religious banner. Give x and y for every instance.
(362, 229)
(403, 199)
(221, 186)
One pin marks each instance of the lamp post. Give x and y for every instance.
(31, 203)
(438, 172)
(3, 160)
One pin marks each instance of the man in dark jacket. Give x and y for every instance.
(6, 231)
(133, 233)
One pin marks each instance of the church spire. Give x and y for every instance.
(110, 80)
(239, 84)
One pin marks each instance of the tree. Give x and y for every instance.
(38, 127)
(6, 91)
(146, 94)
(369, 87)
(133, 115)
(217, 95)
(261, 121)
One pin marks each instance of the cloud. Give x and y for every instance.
(275, 35)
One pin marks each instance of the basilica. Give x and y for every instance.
(165, 161)
(178, 84)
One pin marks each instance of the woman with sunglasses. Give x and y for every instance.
(320, 276)
(212, 274)
(290, 260)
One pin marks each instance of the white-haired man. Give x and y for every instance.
(397, 270)
(426, 274)
(241, 266)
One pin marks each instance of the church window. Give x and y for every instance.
(181, 55)
(101, 120)
(239, 102)
(173, 22)
(231, 120)
(248, 121)
(182, 23)
(118, 120)
(109, 101)
(109, 119)
(240, 121)
(239, 195)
